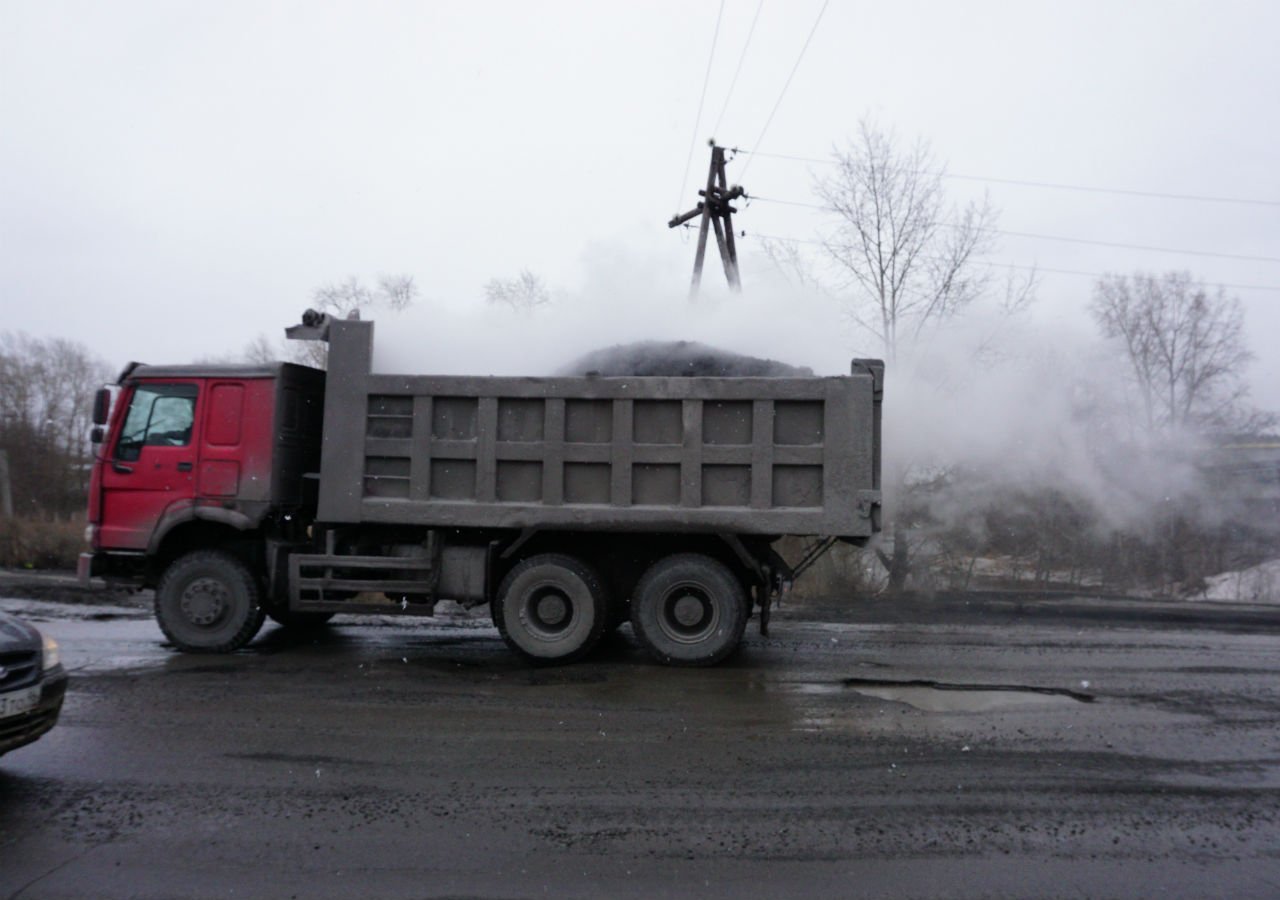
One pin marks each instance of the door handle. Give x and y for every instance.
(121, 468)
(184, 467)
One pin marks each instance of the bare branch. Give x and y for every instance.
(351, 299)
(790, 262)
(524, 293)
(910, 259)
(397, 291)
(1184, 344)
(46, 388)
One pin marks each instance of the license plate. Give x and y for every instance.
(18, 702)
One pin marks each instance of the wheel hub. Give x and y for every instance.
(548, 612)
(687, 610)
(551, 609)
(204, 601)
(689, 614)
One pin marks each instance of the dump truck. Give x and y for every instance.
(570, 505)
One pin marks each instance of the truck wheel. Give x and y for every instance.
(298, 621)
(551, 608)
(207, 602)
(689, 610)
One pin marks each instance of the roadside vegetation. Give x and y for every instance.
(1130, 460)
(41, 543)
(46, 398)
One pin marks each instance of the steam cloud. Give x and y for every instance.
(1001, 405)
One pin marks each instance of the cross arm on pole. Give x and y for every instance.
(716, 216)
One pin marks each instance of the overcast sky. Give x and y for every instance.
(176, 178)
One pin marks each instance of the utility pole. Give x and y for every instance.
(716, 214)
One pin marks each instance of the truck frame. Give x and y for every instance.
(570, 505)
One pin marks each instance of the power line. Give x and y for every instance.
(787, 84)
(1063, 239)
(1073, 240)
(1199, 198)
(706, 79)
(1160, 195)
(1003, 265)
(737, 71)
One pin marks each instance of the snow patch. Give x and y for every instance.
(1259, 584)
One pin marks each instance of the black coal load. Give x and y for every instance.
(678, 358)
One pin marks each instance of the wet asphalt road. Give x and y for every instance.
(400, 759)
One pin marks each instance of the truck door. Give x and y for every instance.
(152, 463)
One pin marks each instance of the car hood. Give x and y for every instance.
(17, 635)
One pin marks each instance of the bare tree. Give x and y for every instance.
(1184, 344)
(792, 263)
(906, 260)
(909, 259)
(351, 299)
(524, 293)
(397, 291)
(261, 350)
(46, 390)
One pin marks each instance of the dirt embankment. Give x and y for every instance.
(62, 587)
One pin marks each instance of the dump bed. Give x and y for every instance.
(766, 456)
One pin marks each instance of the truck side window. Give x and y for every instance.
(160, 415)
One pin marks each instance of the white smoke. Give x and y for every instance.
(634, 304)
(1009, 403)
(1032, 412)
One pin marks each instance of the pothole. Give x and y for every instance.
(940, 696)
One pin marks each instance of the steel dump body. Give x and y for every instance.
(746, 456)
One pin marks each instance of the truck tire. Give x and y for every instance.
(208, 602)
(551, 608)
(689, 610)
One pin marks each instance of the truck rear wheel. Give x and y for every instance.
(551, 608)
(689, 610)
(208, 602)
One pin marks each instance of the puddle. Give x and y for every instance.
(936, 696)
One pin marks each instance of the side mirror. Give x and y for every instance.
(98, 434)
(101, 407)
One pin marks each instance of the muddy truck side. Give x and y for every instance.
(571, 504)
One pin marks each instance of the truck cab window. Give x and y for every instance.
(160, 415)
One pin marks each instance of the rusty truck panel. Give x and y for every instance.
(765, 456)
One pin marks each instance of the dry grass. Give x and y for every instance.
(30, 543)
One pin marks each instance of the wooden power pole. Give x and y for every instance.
(716, 214)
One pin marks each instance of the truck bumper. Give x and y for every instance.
(125, 569)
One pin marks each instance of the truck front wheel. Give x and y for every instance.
(689, 610)
(208, 602)
(551, 608)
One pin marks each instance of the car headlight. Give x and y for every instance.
(50, 653)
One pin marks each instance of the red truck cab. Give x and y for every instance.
(199, 456)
